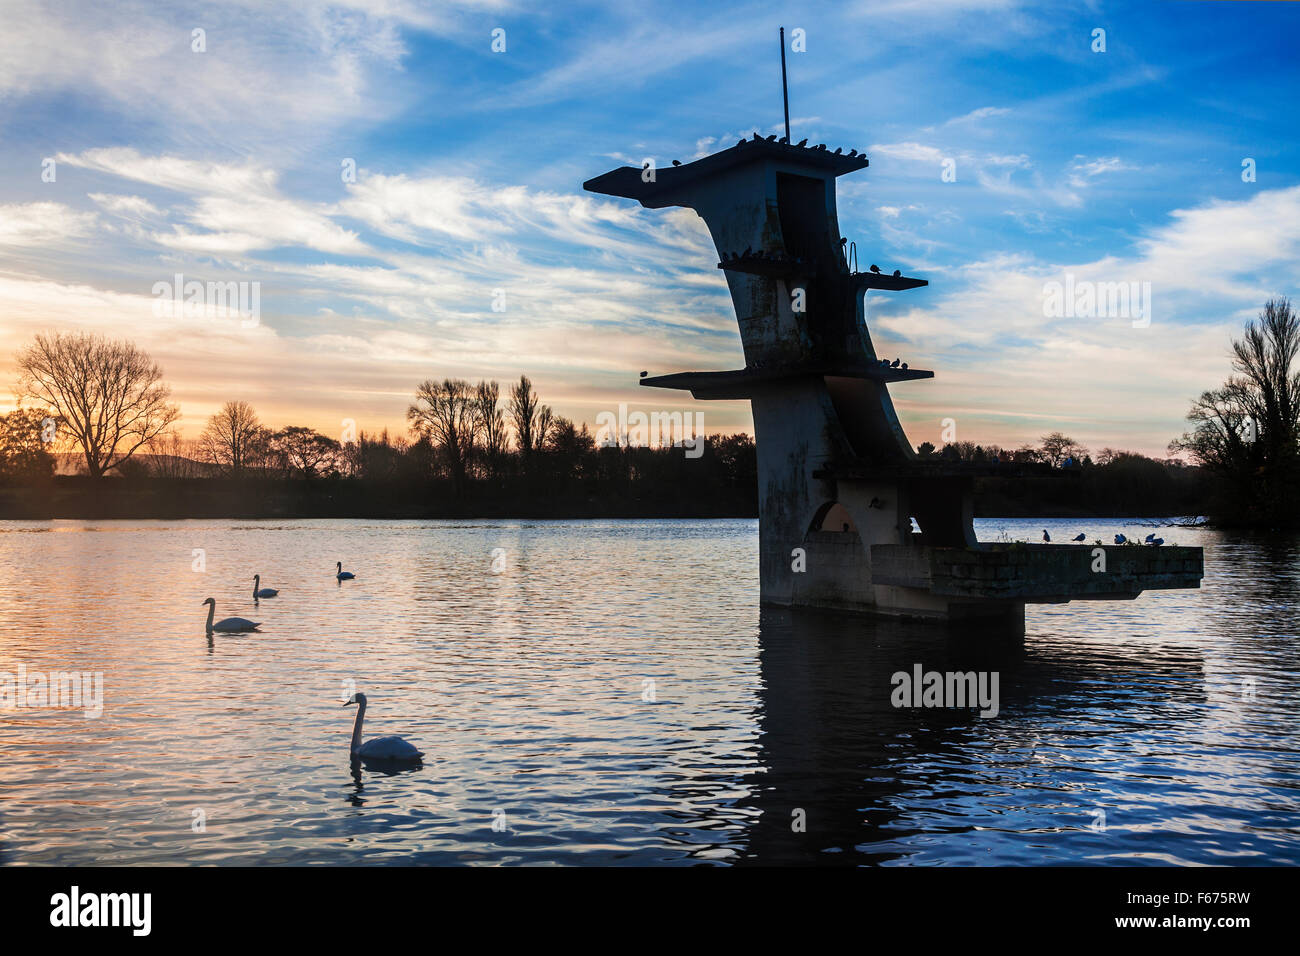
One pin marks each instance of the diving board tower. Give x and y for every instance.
(837, 475)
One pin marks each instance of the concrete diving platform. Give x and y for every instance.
(1037, 573)
(744, 382)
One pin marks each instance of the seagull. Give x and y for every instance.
(838, 150)
(1080, 537)
(904, 365)
(1047, 537)
(677, 162)
(643, 374)
(772, 137)
(894, 363)
(1120, 539)
(802, 142)
(897, 273)
(875, 268)
(1151, 537)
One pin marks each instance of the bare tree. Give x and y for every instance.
(1056, 449)
(1246, 432)
(232, 437)
(306, 451)
(109, 396)
(172, 456)
(491, 424)
(531, 419)
(446, 413)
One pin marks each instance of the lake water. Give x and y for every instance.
(615, 696)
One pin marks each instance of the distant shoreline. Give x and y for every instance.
(79, 498)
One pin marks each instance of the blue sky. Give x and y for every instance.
(1123, 165)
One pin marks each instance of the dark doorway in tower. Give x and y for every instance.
(801, 203)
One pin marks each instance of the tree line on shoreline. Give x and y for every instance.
(106, 402)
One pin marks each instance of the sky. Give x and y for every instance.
(133, 149)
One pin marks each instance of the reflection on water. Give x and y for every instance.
(615, 696)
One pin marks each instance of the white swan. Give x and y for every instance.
(229, 625)
(262, 592)
(379, 748)
(344, 575)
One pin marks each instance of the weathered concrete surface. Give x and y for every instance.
(1037, 573)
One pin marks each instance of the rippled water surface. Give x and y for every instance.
(615, 696)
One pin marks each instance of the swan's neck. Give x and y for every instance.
(212, 610)
(257, 579)
(356, 727)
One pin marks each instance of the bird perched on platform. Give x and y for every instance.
(897, 273)
(1047, 537)
(643, 374)
(677, 162)
(1151, 537)
(772, 137)
(1080, 537)
(895, 363)
(838, 150)
(802, 142)
(875, 268)
(1120, 539)
(1157, 542)
(904, 365)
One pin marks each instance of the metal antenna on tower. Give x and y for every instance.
(785, 93)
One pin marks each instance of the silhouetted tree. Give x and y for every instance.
(305, 452)
(447, 414)
(109, 396)
(1056, 448)
(1245, 433)
(234, 439)
(25, 438)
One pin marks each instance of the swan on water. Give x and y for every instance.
(262, 592)
(378, 748)
(344, 575)
(229, 625)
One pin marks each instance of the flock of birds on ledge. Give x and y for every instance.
(1151, 539)
(839, 150)
(386, 750)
